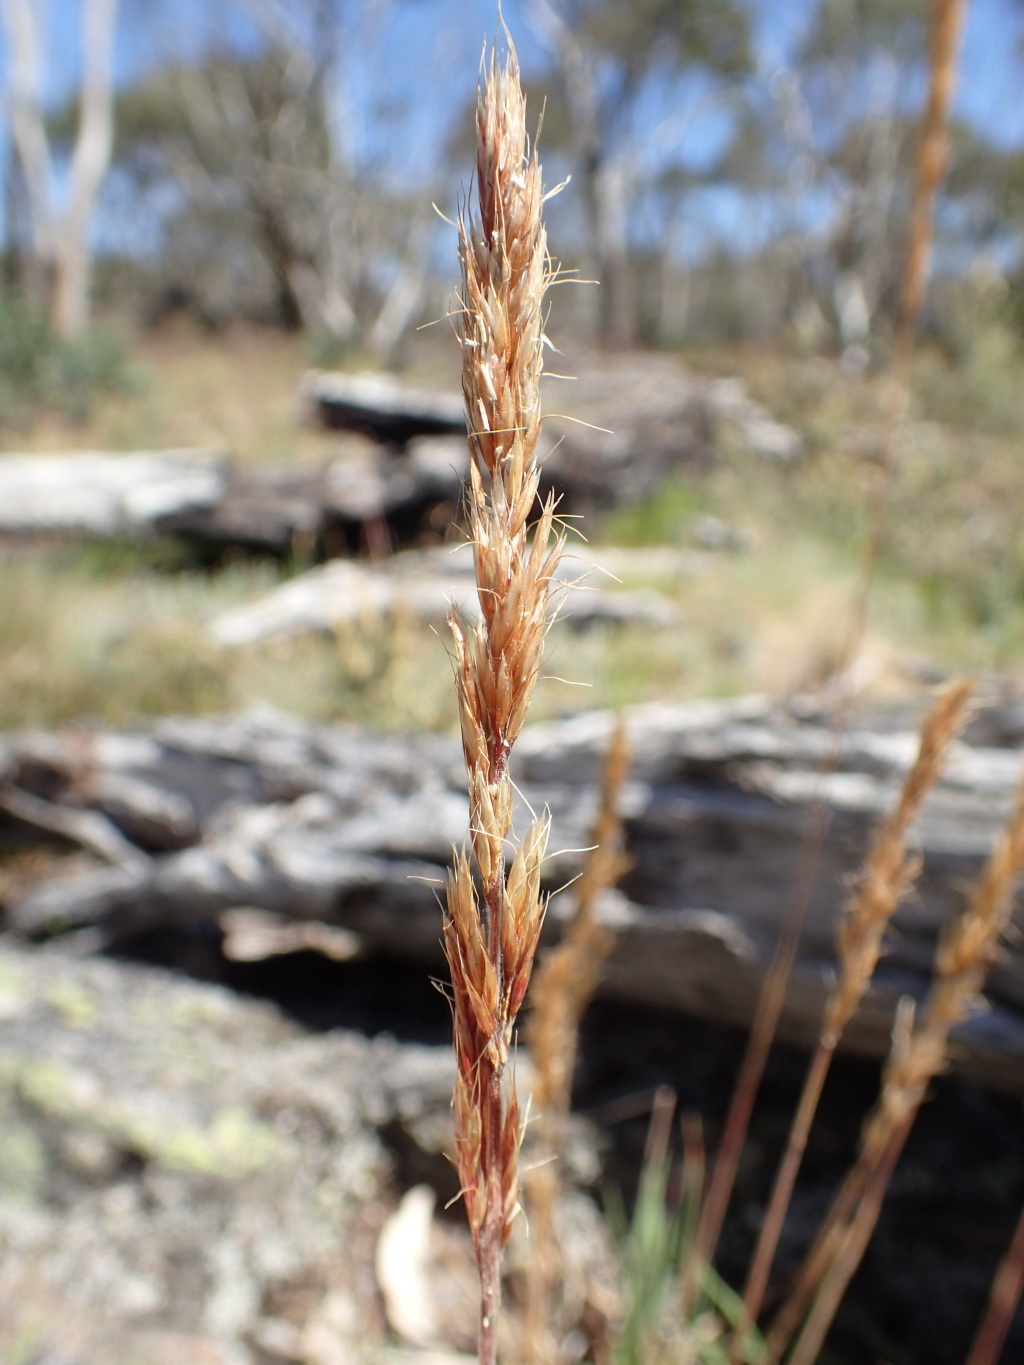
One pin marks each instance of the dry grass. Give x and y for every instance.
(235, 392)
(891, 871)
(89, 633)
(888, 876)
(564, 984)
(965, 955)
(1004, 1296)
(917, 1054)
(490, 935)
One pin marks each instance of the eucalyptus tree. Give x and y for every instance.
(629, 81)
(60, 215)
(263, 208)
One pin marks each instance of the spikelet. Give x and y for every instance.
(890, 871)
(965, 954)
(888, 875)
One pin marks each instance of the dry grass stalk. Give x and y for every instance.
(568, 974)
(1004, 1297)
(856, 1235)
(890, 870)
(490, 933)
(565, 982)
(931, 162)
(888, 875)
(947, 21)
(965, 955)
(932, 154)
(755, 1057)
(946, 24)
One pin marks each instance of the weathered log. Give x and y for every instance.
(93, 493)
(630, 424)
(354, 829)
(645, 419)
(428, 584)
(216, 504)
(381, 406)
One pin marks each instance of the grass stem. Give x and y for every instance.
(1004, 1297)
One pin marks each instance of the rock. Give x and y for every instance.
(183, 1174)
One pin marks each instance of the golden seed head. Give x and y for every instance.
(891, 871)
(490, 935)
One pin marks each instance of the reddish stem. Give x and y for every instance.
(1002, 1304)
(853, 1243)
(762, 1035)
(828, 1245)
(490, 1236)
(782, 1193)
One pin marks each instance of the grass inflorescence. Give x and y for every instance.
(492, 923)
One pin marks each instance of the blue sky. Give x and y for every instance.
(405, 45)
(410, 67)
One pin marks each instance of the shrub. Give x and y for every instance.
(40, 371)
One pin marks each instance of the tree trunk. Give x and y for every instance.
(93, 146)
(60, 254)
(29, 135)
(405, 295)
(609, 198)
(604, 181)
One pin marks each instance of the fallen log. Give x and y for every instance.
(380, 406)
(428, 584)
(339, 508)
(354, 829)
(94, 493)
(645, 418)
(629, 424)
(215, 504)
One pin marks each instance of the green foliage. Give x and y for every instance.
(651, 1247)
(654, 1247)
(842, 30)
(40, 371)
(714, 34)
(660, 519)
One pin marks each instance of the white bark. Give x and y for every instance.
(25, 74)
(88, 166)
(406, 294)
(60, 242)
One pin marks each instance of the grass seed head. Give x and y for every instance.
(491, 933)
